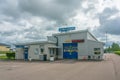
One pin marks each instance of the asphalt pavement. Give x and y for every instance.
(108, 69)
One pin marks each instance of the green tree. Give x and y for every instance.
(115, 47)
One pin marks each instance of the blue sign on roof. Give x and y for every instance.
(19, 46)
(66, 29)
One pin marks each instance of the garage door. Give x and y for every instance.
(70, 50)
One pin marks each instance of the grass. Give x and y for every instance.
(117, 52)
(4, 52)
(3, 55)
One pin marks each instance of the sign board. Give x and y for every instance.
(68, 41)
(78, 41)
(19, 46)
(66, 29)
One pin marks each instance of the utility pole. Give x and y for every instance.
(106, 41)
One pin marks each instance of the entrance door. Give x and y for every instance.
(70, 50)
(26, 53)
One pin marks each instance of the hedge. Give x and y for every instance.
(10, 55)
(117, 52)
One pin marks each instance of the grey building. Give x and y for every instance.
(69, 45)
(78, 45)
(41, 50)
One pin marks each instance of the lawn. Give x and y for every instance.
(117, 52)
(4, 52)
(3, 55)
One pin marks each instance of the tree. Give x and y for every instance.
(115, 47)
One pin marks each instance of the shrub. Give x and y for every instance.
(10, 55)
(117, 52)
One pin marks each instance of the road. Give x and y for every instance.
(108, 69)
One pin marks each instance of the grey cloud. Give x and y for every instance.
(50, 28)
(10, 8)
(58, 10)
(90, 6)
(8, 33)
(111, 26)
(35, 36)
(12, 11)
(107, 13)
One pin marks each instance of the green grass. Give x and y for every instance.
(117, 52)
(3, 57)
(4, 52)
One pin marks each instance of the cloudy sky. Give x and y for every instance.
(33, 20)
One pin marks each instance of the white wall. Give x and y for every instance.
(67, 38)
(82, 50)
(92, 45)
(85, 48)
(47, 47)
(32, 53)
(34, 56)
(19, 53)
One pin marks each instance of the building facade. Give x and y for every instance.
(79, 45)
(69, 45)
(36, 50)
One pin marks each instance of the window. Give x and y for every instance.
(89, 57)
(36, 52)
(51, 51)
(97, 51)
(41, 47)
(42, 50)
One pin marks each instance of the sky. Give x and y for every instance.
(33, 20)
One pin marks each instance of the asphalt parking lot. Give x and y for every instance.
(108, 69)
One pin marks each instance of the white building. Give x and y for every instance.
(36, 50)
(70, 45)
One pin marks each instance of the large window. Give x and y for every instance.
(36, 51)
(97, 51)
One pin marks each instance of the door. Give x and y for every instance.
(70, 50)
(26, 53)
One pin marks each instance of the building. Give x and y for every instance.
(36, 50)
(69, 45)
(79, 45)
(4, 47)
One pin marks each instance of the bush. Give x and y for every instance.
(117, 52)
(10, 55)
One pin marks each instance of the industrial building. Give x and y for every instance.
(67, 45)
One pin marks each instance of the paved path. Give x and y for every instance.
(109, 69)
